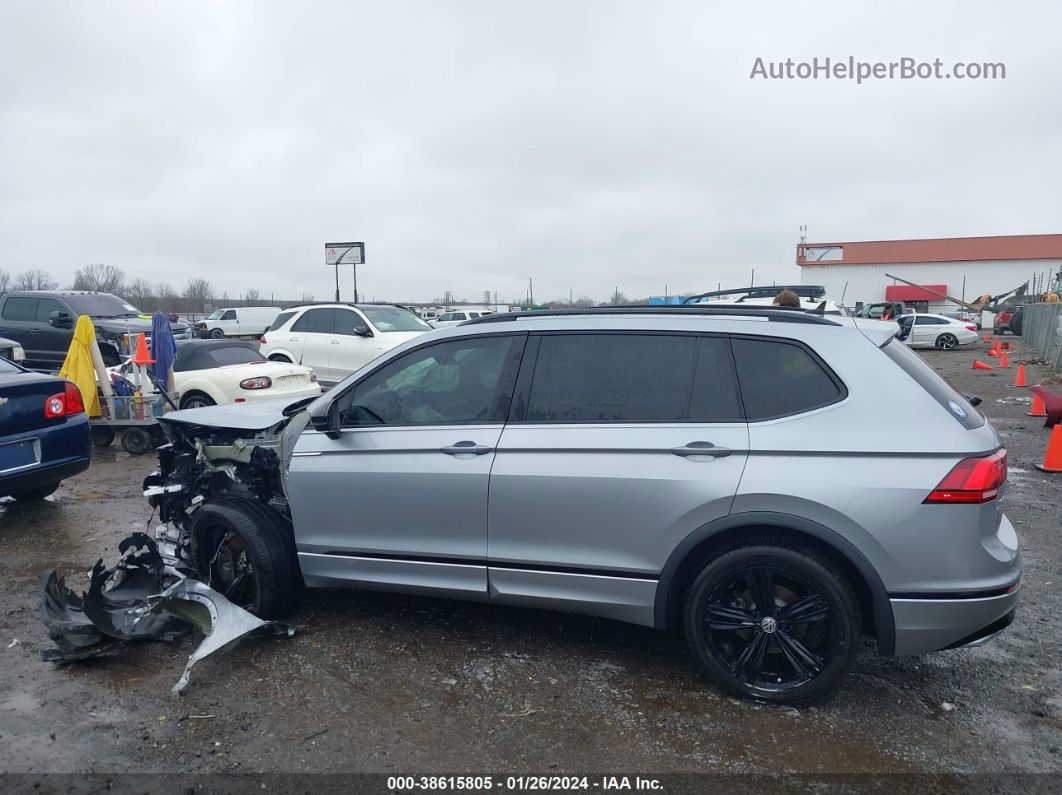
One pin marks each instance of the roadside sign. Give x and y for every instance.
(344, 253)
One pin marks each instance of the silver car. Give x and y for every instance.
(731, 473)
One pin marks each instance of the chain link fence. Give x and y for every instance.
(1042, 328)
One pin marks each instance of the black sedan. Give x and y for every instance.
(44, 432)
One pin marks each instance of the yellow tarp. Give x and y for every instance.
(77, 366)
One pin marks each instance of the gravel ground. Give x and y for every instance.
(395, 684)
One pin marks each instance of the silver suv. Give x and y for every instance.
(770, 482)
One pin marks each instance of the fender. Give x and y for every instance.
(882, 607)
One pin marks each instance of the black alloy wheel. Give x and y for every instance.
(946, 342)
(773, 624)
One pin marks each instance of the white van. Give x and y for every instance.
(245, 321)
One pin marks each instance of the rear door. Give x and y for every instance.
(927, 328)
(313, 334)
(618, 446)
(18, 320)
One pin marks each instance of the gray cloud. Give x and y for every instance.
(474, 144)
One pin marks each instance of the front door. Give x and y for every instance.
(619, 446)
(399, 499)
(351, 346)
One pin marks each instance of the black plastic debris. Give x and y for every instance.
(140, 600)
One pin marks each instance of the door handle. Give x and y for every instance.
(465, 448)
(33, 330)
(701, 448)
(335, 342)
(293, 339)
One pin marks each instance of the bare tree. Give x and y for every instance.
(584, 300)
(197, 293)
(34, 279)
(5, 282)
(165, 298)
(252, 297)
(141, 293)
(99, 277)
(617, 298)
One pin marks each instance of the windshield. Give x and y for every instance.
(8, 367)
(216, 314)
(101, 305)
(391, 318)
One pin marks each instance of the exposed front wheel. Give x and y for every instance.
(246, 552)
(772, 624)
(217, 334)
(946, 342)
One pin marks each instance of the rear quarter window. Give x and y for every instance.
(282, 318)
(931, 381)
(780, 378)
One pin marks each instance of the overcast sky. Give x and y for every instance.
(474, 144)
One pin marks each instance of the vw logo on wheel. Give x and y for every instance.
(768, 624)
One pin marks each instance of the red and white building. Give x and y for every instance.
(853, 272)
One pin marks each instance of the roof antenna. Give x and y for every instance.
(819, 310)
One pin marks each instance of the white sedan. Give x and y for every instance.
(211, 372)
(936, 331)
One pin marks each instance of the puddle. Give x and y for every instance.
(22, 703)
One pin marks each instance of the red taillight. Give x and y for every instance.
(65, 403)
(262, 339)
(971, 327)
(972, 480)
(260, 382)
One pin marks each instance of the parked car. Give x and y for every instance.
(890, 310)
(967, 317)
(243, 321)
(730, 472)
(44, 433)
(42, 322)
(12, 351)
(211, 372)
(337, 339)
(936, 331)
(447, 319)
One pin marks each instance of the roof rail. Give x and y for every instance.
(777, 314)
(803, 290)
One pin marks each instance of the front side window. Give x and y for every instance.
(349, 322)
(45, 307)
(461, 381)
(230, 314)
(625, 378)
(318, 321)
(779, 378)
(447, 316)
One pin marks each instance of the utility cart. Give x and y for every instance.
(134, 419)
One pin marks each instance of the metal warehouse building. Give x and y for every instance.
(963, 267)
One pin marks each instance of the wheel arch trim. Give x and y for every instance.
(884, 624)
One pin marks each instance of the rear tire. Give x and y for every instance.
(102, 435)
(793, 649)
(37, 494)
(1016, 322)
(136, 441)
(197, 400)
(237, 537)
(946, 342)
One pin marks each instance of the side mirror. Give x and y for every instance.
(363, 331)
(60, 319)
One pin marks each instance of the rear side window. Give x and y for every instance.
(931, 381)
(282, 318)
(779, 378)
(320, 321)
(18, 308)
(632, 378)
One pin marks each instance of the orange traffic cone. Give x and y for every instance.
(1053, 455)
(142, 357)
(1004, 362)
(996, 344)
(993, 352)
(1007, 346)
(1019, 379)
(981, 366)
(988, 337)
(1038, 409)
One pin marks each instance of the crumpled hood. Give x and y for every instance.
(256, 416)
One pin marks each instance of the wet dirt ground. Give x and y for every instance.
(396, 684)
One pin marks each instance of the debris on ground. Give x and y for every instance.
(141, 599)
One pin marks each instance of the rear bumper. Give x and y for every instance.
(926, 625)
(65, 450)
(42, 475)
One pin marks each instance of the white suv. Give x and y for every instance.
(447, 319)
(337, 339)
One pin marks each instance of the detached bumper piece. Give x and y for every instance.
(142, 599)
